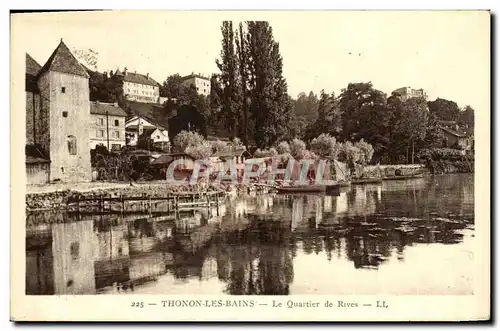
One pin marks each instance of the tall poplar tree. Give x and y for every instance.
(270, 105)
(242, 53)
(228, 66)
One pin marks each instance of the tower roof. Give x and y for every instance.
(118, 72)
(32, 69)
(63, 61)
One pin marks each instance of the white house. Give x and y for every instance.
(139, 87)
(137, 126)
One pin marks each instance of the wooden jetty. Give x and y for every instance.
(172, 201)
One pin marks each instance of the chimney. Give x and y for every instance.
(125, 70)
(135, 72)
(147, 75)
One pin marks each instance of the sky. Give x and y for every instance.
(445, 52)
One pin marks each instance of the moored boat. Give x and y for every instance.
(302, 189)
(360, 181)
(414, 176)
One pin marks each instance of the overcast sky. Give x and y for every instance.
(446, 53)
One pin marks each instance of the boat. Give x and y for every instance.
(402, 177)
(302, 189)
(360, 181)
(340, 184)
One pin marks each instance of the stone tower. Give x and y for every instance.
(65, 108)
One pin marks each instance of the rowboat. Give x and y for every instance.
(360, 181)
(302, 189)
(404, 177)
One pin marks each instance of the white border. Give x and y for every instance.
(218, 4)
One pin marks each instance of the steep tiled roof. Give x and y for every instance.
(63, 61)
(100, 108)
(150, 112)
(139, 79)
(32, 69)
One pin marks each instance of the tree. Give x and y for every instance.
(187, 139)
(445, 110)
(413, 123)
(466, 117)
(306, 106)
(228, 66)
(328, 118)
(434, 136)
(269, 102)
(364, 115)
(283, 147)
(242, 53)
(173, 88)
(349, 153)
(324, 145)
(188, 118)
(200, 151)
(220, 146)
(265, 152)
(298, 149)
(236, 143)
(215, 95)
(365, 151)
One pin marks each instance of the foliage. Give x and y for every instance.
(120, 167)
(324, 145)
(365, 115)
(228, 66)
(265, 152)
(298, 149)
(434, 136)
(365, 151)
(200, 151)
(283, 147)
(445, 110)
(270, 104)
(349, 153)
(306, 106)
(414, 119)
(220, 146)
(466, 117)
(187, 139)
(188, 118)
(236, 143)
(440, 153)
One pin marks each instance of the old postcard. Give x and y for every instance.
(250, 166)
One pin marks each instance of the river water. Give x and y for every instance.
(399, 237)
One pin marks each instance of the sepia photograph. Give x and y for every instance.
(245, 155)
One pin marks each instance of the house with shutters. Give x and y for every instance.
(58, 117)
(107, 125)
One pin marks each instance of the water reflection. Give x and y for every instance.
(269, 245)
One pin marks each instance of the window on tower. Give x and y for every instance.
(72, 145)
